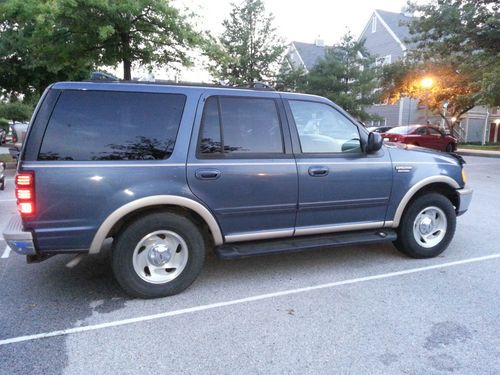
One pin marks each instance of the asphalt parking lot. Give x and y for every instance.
(351, 310)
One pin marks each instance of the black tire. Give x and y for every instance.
(449, 147)
(129, 238)
(406, 242)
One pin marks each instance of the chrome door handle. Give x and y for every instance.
(318, 171)
(208, 174)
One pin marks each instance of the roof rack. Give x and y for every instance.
(252, 86)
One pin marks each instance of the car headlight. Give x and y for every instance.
(464, 176)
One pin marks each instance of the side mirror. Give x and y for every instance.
(374, 143)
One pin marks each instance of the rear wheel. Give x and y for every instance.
(158, 255)
(427, 226)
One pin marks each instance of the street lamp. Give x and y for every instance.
(427, 83)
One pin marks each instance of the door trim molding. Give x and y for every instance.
(301, 231)
(332, 228)
(259, 235)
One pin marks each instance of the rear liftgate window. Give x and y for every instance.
(105, 125)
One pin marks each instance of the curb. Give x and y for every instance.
(480, 154)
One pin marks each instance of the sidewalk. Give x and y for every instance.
(483, 153)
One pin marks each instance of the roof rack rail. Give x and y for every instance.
(252, 86)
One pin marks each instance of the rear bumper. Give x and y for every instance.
(19, 240)
(464, 198)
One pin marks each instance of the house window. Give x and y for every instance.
(374, 23)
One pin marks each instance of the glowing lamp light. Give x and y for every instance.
(427, 82)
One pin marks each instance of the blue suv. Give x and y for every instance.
(170, 172)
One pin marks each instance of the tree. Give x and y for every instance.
(451, 95)
(290, 78)
(34, 51)
(15, 111)
(464, 34)
(248, 49)
(54, 40)
(457, 43)
(347, 75)
(150, 32)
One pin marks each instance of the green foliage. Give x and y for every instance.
(449, 87)
(4, 124)
(149, 32)
(30, 48)
(464, 34)
(248, 49)
(15, 111)
(347, 75)
(43, 41)
(290, 78)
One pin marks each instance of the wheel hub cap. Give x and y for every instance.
(159, 255)
(430, 227)
(426, 225)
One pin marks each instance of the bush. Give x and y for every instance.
(15, 111)
(4, 124)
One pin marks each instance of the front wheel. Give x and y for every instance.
(427, 226)
(158, 255)
(449, 147)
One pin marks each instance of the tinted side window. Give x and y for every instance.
(106, 125)
(434, 132)
(322, 129)
(422, 131)
(240, 125)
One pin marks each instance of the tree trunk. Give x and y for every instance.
(127, 62)
(127, 70)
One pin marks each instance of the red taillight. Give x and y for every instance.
(25, 193)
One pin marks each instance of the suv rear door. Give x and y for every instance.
(241, 165)
(340, 186)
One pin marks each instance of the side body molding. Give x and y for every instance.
(413, 190)
(155, 200)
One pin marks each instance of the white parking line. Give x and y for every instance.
(261, 297)
(6, 252)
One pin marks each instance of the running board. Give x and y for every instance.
(295, 244)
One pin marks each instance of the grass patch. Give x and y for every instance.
(6, 158)
(494, 147)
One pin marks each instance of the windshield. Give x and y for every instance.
(400, 130)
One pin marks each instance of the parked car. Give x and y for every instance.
(379, 129)
(169, 172)
(3, 136)
(2, 175)
(19, 130)
(422, 135)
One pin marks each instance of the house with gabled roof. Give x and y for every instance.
(306, 55)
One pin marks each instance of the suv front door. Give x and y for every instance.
(241, 165)
(340, 186)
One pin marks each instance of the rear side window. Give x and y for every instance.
(233, 125)
(106, 125)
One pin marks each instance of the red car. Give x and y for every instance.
(421, 135)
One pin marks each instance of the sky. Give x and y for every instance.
(303, 21)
